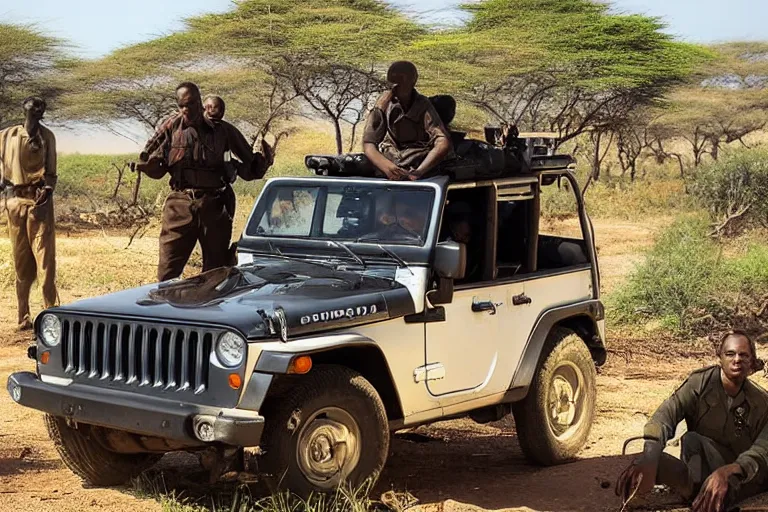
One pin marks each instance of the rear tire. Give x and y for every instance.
(328, 430)
(554, 419)
(90, 460)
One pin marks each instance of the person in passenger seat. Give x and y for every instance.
(458, 217)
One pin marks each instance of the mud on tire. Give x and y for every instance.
(91, 461)
(330, 412)
(554, 419)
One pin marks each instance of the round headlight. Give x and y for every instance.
(230, 349)
(50, 330)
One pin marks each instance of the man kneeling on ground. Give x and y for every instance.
(725, 450)
(404, 136)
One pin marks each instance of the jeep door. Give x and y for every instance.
(485, 324)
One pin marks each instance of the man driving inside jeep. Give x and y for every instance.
(402, 219)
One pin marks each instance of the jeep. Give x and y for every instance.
(358, 307)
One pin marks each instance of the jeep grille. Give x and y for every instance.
(137, 354)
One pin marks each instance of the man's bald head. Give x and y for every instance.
(34, 107)
(402, 75)
(189, 102)
(403, 72)
(214, 107)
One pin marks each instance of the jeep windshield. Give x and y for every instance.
(379, 213)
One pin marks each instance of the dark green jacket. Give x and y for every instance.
(741, 430)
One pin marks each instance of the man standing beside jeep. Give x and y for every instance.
(28, 175)
(191, 148)
(404, 137)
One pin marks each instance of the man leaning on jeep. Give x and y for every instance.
(192, 149)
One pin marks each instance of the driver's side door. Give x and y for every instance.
(462, 352)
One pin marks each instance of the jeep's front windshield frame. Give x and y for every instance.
(311, 241)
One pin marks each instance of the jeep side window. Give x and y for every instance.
(516, 223)
(561, 239)
(469, 219)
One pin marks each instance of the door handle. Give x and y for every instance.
(519, 300)
(479, 307)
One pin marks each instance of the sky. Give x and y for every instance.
(95, 28)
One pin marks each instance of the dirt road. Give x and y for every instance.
(458, 461)
(455, 465)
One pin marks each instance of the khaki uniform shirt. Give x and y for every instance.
(25, 160)
(739, 428)
(404, 137)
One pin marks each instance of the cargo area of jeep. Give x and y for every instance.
(359, 306)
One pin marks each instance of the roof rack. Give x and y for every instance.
(520, 154)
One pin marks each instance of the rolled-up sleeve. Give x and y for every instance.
(375, 127)
(433, 125)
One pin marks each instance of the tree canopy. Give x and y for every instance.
(27, 60)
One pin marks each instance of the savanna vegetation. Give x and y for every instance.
(661, 130)
(659, 127)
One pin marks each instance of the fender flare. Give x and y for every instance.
(529, 363)
(277, 361)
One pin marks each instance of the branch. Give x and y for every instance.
(740, 213)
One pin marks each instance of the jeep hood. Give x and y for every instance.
(260, 300)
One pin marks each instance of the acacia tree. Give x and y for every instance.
(328, 53)
(568, 66)
(28, 59)
(340, 93)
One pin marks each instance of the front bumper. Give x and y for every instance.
(139, 414)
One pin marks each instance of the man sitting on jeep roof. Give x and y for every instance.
(404, 137)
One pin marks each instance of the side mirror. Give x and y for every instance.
(450, 260)
(450, 264)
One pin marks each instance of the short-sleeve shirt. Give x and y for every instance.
(26, 160)
(404, 137)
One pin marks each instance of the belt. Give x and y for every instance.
(197, 178)
(199, 193)
(25, 191)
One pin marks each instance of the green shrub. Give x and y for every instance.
(687, 284)
(678, 276)
(735, 182)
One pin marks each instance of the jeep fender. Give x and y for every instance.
(581, 317)
(354, 351)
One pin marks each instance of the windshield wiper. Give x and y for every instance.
(400, 261)
(375, 237)
(349, 251)
(274, 249)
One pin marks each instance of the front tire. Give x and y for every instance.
(90, 460)
(328, 430)
(554, 419)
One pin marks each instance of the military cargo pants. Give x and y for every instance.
(701, 456)
(33, 245)
(190, 217)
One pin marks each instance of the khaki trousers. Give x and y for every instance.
(33, 244)
(188, 219)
